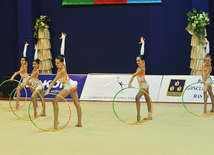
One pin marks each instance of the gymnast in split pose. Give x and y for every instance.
(140, 74)
(207, 81)
(37, 84)
(23, 74)
(70, 87)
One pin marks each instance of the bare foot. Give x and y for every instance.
(138, 118)
(212, 110)
(56, 124)
(147, 118)
(78, 125)
(43, 115)
(17, 105)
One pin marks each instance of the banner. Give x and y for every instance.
(47, 79)
(97, 2)
(103, 87)
(173, 87)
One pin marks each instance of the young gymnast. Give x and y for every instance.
(37, 84)
(23, 74)
(207, 81)
(70, 87)
(140, 73)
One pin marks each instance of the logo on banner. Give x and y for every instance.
(176, 87)
(120, 82)
(47, 79)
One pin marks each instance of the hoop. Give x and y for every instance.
(185, 105)
(127, 122)
(46, 129)
(14, 111)
(12, 93)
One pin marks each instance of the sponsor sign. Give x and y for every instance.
(46, 79)
(104, 87)
(176, 87)
(172, 88)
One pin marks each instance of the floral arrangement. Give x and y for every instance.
(41, 23)
(197, 23)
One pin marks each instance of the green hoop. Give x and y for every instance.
(46, 129)
(14, 110)
(185, 105)
(12, 93)
(123, 120)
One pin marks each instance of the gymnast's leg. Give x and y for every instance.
(18, 95)
(137, 100)
(55, 101)
(75, 98)
(148, 103)
(205, 97)
(210, 92)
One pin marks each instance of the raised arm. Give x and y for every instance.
(207, 46)
(62, 49)
(142, 41)
(25, 49)
(36, 52)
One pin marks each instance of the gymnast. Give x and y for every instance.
(70, 87)
(207, 81)
(140, 73)
(23, 74)
(37, 84)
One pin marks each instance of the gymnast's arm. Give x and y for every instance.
(206, 74)
(58, 75)
(34, 74)
(139, 71)
(16, 73)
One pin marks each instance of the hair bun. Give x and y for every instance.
(37, 61)
(26, 58)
